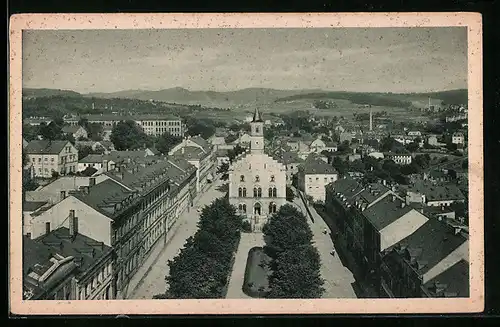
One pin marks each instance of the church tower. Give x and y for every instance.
(257, 133)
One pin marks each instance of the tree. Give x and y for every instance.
(167, 142)
(202, 268)
(51, 132)
(223, 169)
(127, 135)
(233, 153)
(30, 133)
(412, 147)
(295, 262)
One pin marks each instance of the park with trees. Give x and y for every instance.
(203, 267)
(290, 261)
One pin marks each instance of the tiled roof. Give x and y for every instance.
(315, 165)
(453, 282)
(92, 158)
(105, 195)
(71, 128)
(85, 250)
(31, 206)
(190, 153)
(346, 186)
(437, 192)
(286, 157)
(89, 171)
(131, 117)
(201, 142)
(372, 192)
(36, 259)
(45, 147)
(386, 211)
(430, 244)
(118, 156)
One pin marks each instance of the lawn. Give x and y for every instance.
(256, 273)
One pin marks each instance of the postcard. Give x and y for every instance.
(246, 163)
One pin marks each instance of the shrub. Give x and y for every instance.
(246, 227)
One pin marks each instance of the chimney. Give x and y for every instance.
(384, 182)
(403, 204)
(182, 150)
(63, 195)
(91, 181)
(105, 165)
(86, 190)
(73, 224)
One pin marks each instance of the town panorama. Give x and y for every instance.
(153, 169)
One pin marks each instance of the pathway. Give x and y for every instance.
(247, 241)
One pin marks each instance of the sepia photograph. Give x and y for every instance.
(240, 161)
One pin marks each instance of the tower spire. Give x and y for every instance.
(256, 116)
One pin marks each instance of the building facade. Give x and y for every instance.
(49, 157)
(314, 175)
(257, 181)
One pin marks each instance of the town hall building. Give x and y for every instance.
(257, 181)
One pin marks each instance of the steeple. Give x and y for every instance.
(256, 116)
(257, 133)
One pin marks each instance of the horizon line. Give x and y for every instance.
(241, 89)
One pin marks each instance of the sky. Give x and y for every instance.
(395, 60)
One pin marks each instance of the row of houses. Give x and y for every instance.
(86, 237)
(393, 246)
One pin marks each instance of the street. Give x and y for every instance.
(338, 279)
(154, 281)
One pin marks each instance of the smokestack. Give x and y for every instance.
(371, 119)
(73, 223)
(91, 181)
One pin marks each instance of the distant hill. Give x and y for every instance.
(39, 93)
(249, 96)
(259, 96)
(384, 99)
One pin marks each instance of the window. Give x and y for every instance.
(47, 227)
(254, 192)
(259, 192)
(270, 192)
(272, 178)
(244, 208)
(39, 159)
(45, 159)
(272, 207)
(242, 178)
(274, 192)
(326, 179)
(257, 179)
(240, 192)
(33, 159)
(244, 192)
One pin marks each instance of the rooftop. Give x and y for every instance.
(109, 117)
(190, 153)
(85, 250)
(108, 197)
(453, 282)
(45, 147)
(92, 158)
(429, 244)
(38, 258)
(30, 206)
(315, 165)
(437, 192)
(71, 128)
(386, 211)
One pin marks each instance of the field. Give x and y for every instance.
(344, 108)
